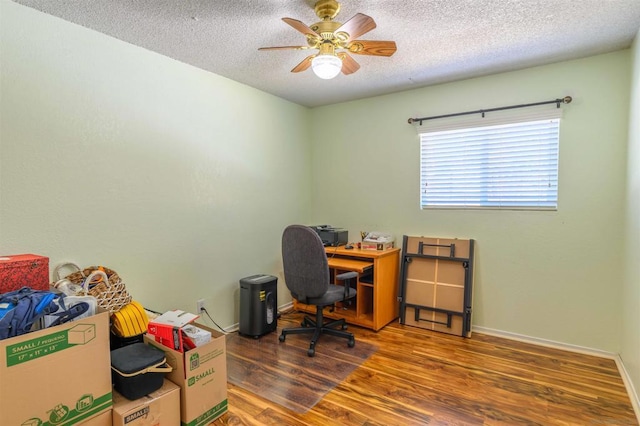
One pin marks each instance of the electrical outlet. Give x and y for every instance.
(200, 305)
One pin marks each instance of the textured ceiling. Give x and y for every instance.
(437, 40)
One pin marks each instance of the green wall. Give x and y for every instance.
(550, 275)
(112, 154)
(630, 352)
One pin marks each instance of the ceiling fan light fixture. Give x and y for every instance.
(326, 66)
(329, 35)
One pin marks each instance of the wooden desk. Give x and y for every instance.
(376, 303)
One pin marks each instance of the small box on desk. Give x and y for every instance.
(24, 270)
(370, 245)
(377, 241)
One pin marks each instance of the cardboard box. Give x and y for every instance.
(104, 419)
(201, 374)
(60, 375)
(370, 245)
(159, 408)
(24, 270)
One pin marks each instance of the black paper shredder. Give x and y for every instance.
(258, 305)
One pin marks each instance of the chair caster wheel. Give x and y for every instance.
(303, 324)
(351, 343)
(281, 338)
(344, 326)
(311, 352)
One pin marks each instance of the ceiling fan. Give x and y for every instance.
(335, 41)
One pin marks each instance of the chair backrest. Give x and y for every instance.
(306, 270)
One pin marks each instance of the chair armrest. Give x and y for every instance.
(346, 275)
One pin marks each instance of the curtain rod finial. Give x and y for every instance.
(567, 99)
(410, 121)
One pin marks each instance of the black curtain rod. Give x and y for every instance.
(565, 100)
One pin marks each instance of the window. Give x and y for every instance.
(505, 166)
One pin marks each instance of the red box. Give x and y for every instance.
(167, 329)
(20, 270)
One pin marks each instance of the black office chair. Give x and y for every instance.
(306, 273)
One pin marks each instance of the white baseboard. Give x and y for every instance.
(232, 328)
(633, 394)
(544, 342)
(285, 307)
(631, 391)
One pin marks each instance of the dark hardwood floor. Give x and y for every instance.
(418, 377)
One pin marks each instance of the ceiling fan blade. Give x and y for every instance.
(304, 65)
(358, 25)
(284, 48)
(349, 65)
(302, 27)
(372, 47)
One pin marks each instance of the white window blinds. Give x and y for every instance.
(511, 166)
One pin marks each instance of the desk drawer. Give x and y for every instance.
(346, 264)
